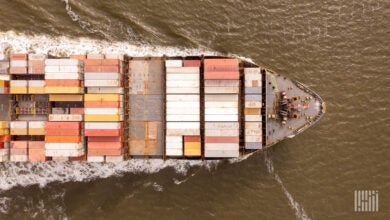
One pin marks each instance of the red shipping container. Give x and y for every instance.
(36, 70)
(221, 69)
(63, 125)
(104, 145)
(19, 144)
(102, 152)
(19, 56)
(79, 57)
(61, 132)
(1, 145)
(80, 158)
(101, 69)
(220, 62)
(5, 138)
(18, 70)
(36, 145)
(191, 63)
(221, 75)
(18, 151)
(110, 62)
(61, 82)
(105, 139)
(191, 138)
(97, 104)
(102, 132)
(221, 139)
(77, 111)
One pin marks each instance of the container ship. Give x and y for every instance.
(111, 108)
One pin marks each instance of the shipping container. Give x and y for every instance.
(173, 63)
(65, 98)
(102, 97)
(65, 117)
(105, 90)
(95, 159)
(51, 90)
(191, 63)
(221, 118)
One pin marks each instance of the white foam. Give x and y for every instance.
(64, 46)
(300, 212)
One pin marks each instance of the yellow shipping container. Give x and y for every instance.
(252, 111)
(66, 98)
(19, 131)
(192, 149)
(2, 83)
(3, 124)
(36, 131)
(58, 89)
(102, 97)
(36, 90)
(18, 90)
(4, 131)
(102, 117)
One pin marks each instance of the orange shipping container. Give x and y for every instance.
(77, 111)
(220, 139)
(19, 56)
(62, 139)
(103, 132)
(5, 138)
(102, 69)
(63, 125)
(62, 132)
(80, 158)
(61, 82)
(220, 62)
(36, 144)
(221, 75)
(93, 62)
(19, 144)
(110, 62)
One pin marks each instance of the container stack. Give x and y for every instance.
(36, 151)
(36, 71)
(4, 74)
(19, 64)
(4, 141)
(63, 76)
(221, 80)
(63, 140)
(253, 105)
(19, 151)
(182, 109)
(104, 108)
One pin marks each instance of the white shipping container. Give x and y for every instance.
(18, 63)
(62, 62)
(18, 83)
(19, 158)
(36, 124)
(102, 76)
(103, 111)
(5, 77)
(221, 117)
(174, 152)
(253, 125)
(256, 138)
(102, 83)
(4, 152)
(172, 104)
(4, 57)
(65, 117)
(183, 70)
(63, 76)
(106, 90)
(62, 69)
(222, 133)
(221, 104)
(95, 159)
(181, 90)
(221, 125)
(183, 117)
(221, 90)
(222, 146)
(18, 124)
(114, 159)
(221, 153)
(173, 63)
(102, 125)
(253, 132)
(183, 125)
(187, 76)
(64, 146)
(221, 98)
(36, 83)
(173, 145)
(182, 83)
(253, 104)
(194, 98)
(174, 139)
(64, 153)
(183, 111)
(183, 131)
(221, 111)
(253, 118)
(222, 83)
(251, 70)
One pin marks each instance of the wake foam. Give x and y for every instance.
(64, 46)
(300, 212)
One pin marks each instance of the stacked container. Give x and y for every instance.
(253, 105)
(4, 141)
(4, 76)
(36, 71)
(19, 64)
(63, 76)
(19, 151)
(221, 80)
(104, 108)
(182, 108)
(63, 140)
